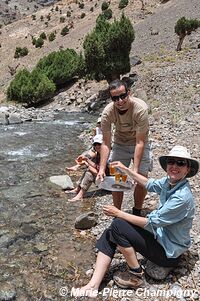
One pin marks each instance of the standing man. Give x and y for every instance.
(129, 115)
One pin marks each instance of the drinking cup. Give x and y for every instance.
(112, 170)
(117, 177)
(124, 178)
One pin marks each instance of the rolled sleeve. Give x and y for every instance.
(174, 210)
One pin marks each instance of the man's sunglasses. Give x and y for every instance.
(118, 97)
(178, 162)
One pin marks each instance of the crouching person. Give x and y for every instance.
(91, 171)
(162, 236)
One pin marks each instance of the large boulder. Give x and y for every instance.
(86, 221)
(64, 181)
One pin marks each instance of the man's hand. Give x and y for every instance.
(111, 210)
(100, 176)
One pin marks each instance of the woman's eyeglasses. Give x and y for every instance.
(118, 97)
(178, 162)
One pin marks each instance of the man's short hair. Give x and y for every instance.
(116, 84)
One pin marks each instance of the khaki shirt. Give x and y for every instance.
(135, 120)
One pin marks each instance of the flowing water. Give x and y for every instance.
(32, 210)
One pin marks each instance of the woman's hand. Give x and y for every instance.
(81, 160)
(118, 164)
(111, 210)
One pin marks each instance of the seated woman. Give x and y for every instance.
(90, 173)
(162, 236)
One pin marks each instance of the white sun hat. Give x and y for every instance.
(182, 152)
(99, 120)
(98, 139)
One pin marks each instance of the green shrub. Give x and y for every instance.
(68, 14)
(107, 14)
(43, 35)
(64, 31)
(81, 5)
(107, 48)
(104, 5)
(39, 43)
(82, 15)
(48, 17)
(30, 88)
(52, 36)
(20, 52)
(123, 3)
(62, 19)
(61, 66)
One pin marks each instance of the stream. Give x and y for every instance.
(40, 250)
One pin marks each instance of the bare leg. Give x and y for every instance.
(130, 256)
(139, 195)
(79, 196)
(91, 289)
(117, 198)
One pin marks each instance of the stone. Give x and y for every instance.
(156, 272)
(140, 93)
(7, 292)
(14, 119)
(4, 118)
(6, 240)
(135, 60)
(64, 181)
(86, 221)
(40, 247)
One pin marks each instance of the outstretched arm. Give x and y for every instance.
(105, 151)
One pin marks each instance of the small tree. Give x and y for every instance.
(64, 31)
(107, 13)
(123, 3)
(82, 15)
(81, 5)
(62, 19)
(39, 43)
(34, 40)
(107, 48)
(20, 52)
(104, 5)
(43, 35)
(52, 36)
(185, 27)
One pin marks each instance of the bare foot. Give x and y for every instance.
(72, 168)
(72, 191)
(85, 291)
(75, 199)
